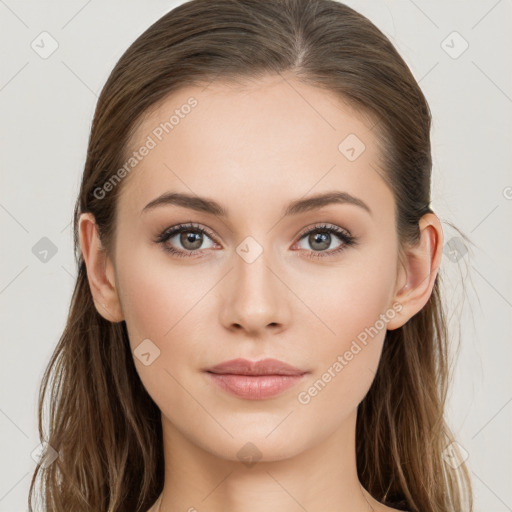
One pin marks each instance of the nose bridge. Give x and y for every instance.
(256, 299)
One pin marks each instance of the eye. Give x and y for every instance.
(320, 238)
(190, 236)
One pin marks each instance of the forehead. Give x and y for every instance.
(271, 137)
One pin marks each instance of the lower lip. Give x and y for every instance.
(255, 387)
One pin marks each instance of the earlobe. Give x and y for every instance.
(420, 269)
(100, 271)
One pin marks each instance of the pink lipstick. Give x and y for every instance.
(255, 380)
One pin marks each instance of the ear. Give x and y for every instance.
(100, 270)
(418, 271)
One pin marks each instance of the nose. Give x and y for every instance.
(255, 298)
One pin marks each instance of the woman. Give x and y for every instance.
(257, 323)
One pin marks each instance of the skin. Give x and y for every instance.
(254, 149)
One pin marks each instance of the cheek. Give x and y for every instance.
(353, 306)
(349, 298)
(163, 303)
(156, 296)
(170, 305)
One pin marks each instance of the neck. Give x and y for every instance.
(324, 477)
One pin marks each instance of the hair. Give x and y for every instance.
(102, 422)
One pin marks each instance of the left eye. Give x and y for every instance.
(320, 238)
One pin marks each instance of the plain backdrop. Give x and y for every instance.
(459, 51)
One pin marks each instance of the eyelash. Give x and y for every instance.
(347, 239)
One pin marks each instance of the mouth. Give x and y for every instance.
(256, 380)
(257, 368)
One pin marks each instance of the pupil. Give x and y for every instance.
(194, 239)
(322, 238)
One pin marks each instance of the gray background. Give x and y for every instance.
(46, 108)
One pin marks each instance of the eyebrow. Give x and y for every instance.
(206, 205)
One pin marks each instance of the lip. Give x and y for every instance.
(263, 367)
(255, 380)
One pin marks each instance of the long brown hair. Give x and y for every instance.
(102, 422)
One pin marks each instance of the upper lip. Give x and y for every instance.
(263, 367)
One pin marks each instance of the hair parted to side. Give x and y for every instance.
(104, 425)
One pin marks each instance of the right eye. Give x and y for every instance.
(190, 236)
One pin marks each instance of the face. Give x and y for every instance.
(311, 286)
